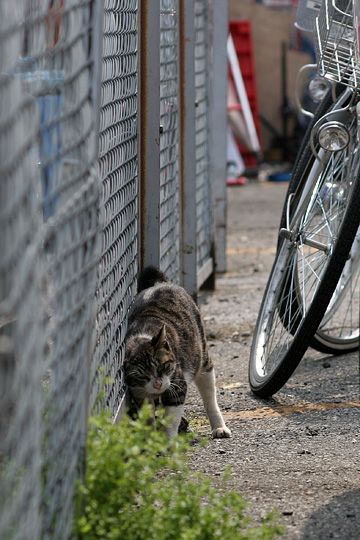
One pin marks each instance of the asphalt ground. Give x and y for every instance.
(297, 453)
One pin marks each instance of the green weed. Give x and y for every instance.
(138, 486)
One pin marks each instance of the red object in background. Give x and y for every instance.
(53, 21)
(242, 37)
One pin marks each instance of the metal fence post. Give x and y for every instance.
(96, 52)
(150, 133)
(218, 129)
(187, 147)
(97, 47)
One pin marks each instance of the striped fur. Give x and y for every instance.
(166, 349)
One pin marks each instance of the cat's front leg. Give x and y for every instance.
(173, 400)
(205, 381)
(174, 413)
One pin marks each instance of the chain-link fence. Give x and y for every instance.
(169, 140)
(20, 310)
(48, 210)
(73, 196)
(204, 231)
(118, 162)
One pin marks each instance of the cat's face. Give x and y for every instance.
(149, 364)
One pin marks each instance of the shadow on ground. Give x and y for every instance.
(339, 519)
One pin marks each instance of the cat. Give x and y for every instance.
(166, 349)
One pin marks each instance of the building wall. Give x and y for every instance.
(270, 27)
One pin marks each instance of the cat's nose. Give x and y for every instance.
(157, 384)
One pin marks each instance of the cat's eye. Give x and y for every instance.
(164, 368)
(138, 379)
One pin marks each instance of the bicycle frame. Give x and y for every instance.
(290, 231)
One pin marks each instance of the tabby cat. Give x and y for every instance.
(166, 350)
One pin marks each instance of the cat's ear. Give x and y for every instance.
(159, 341)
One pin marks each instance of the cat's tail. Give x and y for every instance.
(149, 277)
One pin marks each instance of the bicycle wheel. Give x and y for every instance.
(338, 332)
(308, 265)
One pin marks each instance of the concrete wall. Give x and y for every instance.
(270, 27)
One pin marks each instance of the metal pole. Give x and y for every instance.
(218, 128)
(150, 133)
(187, 148)
(97, 33)
(97, 48)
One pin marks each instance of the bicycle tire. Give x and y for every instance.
(339, 331)
(265, 380)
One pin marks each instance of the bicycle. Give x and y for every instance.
(316, 267)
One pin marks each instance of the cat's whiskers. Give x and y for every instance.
(173, 385)
(172, 391)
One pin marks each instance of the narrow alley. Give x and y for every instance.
(297, 453)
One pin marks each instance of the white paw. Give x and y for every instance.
(221, 433)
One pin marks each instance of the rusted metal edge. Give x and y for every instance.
(149, 136)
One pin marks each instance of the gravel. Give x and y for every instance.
(297, 453)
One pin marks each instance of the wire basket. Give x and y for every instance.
(337, 42)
